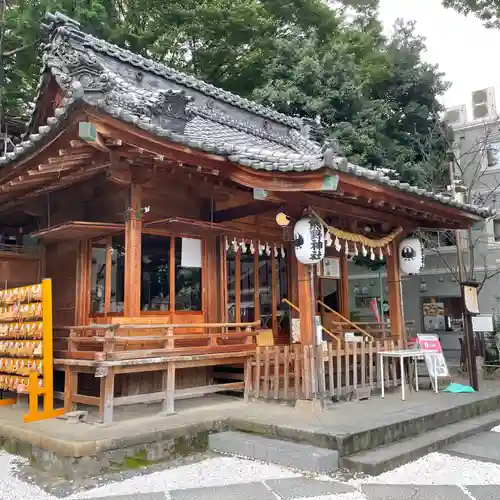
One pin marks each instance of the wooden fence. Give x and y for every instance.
(297, 372)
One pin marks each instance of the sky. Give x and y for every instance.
(461, 46)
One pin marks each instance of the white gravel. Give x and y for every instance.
(441, 469)
(12, 488)
(219, 471)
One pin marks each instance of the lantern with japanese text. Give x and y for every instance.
(309, 240)
(411, 256)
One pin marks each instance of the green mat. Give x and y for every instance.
(456, 388)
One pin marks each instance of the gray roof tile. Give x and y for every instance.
(207, 128)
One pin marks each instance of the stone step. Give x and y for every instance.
(388, 457)
(484, 447)
(294, 455)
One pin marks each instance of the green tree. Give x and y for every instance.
(377, 97)
(486, 10)
(302, 57)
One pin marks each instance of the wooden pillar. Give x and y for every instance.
(305, 304)
(133, 230)
(394, 295)
(343, 292)
(210, 281)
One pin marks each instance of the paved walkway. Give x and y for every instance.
(303, 488)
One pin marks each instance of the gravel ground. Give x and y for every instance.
(219, 471)
(435, 468)
(438, 469)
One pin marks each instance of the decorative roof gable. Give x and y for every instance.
(182, 109)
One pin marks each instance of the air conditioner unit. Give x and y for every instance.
(483, 104)
(456, 115)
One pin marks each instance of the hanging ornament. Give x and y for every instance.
(411, 256)
(309, 240)
(268, 249)
(328, 239)
(372, 254)
(262, 248)
(346, 248)
(235, 245)
(388, 250)
(226, 243)
(252, 247)
(356, 252)
(380, 254)
(275, 251)
(243, 245)
(337, 244)
(283, 250)
(364, 251)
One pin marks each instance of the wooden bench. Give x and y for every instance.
(107, 371)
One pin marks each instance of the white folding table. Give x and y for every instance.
(401, 354)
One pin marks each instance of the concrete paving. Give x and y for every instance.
(295, 488)
(484, 447)
(407, 492)
(274, 451)
(485, 492)
(249, 491)
(302, 487)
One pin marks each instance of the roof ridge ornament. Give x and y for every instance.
(60, 22)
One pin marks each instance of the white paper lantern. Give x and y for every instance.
(411, 256)
(310, 241)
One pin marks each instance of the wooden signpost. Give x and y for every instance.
(26, 363)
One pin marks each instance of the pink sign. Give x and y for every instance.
(429, 343)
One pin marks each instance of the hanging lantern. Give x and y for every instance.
(309, 241)
(411, 256)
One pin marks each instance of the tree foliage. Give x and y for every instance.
(486, 10)
(304, 57)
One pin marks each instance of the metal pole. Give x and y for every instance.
(467, 319)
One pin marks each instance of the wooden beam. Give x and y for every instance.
(88, 133)
(305, 305)
(133, 232)
(63, 181)
(241, 211)
(343, 285)
(338, 207)
(120, 174)
(394, 294)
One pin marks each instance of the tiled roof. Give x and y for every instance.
(182, 109)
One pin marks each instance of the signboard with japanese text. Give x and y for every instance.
(435, 361)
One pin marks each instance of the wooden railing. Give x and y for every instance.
(136, 341)
(289, 373)
(345, 320)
